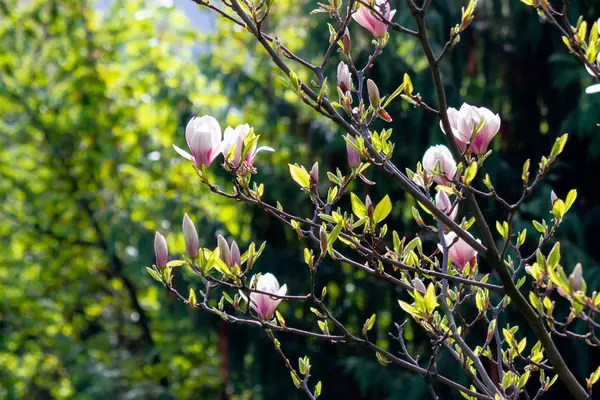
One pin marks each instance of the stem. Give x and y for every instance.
(452, 324)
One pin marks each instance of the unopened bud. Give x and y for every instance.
(190, 237)
(353, 156)
(419, 286)
(346, 42)
(161, 250)
(373, 94)
(236, 259)
(576, 278)
(224, 252)
(344, 78)
(369, 206)
(323, 239)
(314, 175)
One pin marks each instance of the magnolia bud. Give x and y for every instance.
(346, 42)
(314, 175)
(553, 197)
(236, 259)
(224, 252)
(576, 278)
(344, 78)
(419, 286)
(369, 206)
(353, 156)
(190, 236)
(323, 239)
(373, 94)
(161, 250)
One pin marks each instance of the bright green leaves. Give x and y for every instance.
(593, 379)
(424, 305)
(558, 146)
(470, 173)
(300, 175)
(369, 323)
(383, 209)
(560, 207)
(358, 207)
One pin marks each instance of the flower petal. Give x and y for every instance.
(183, 153)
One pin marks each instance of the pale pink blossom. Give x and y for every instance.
(459, 252)
(442, 201)
(263, 304)
(439, 159)
(370, 21)
(344, 77)
(203, 137)
(463, 123)
(234, 138)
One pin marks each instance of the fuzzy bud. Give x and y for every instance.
(161, 250)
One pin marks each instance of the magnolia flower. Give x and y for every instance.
(203, 137)
(229, 255)
(442, 201)
(190, 237)
(161, 250)
(235, 138)
(353, 156)
(370, 21)
(439, 159)
(344, 78)
(464, 121)
(459, 252)
(314, 174)
(264, 304)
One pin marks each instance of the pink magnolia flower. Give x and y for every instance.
(235, 138)
(344, 77)
(459, 252)
(190, 237)
(370, 21)
(439, 159)
(464, 121)
(161, 250)
(442, 201)
(203, 137)
(264, 304)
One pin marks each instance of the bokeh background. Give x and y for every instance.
(93, 95)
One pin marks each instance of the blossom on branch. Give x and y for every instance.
(264, 304)
(370, 21)
(439, 163)
(233, 143)
(473, 127)
(203, 137)
(459, 252)
(442, 201)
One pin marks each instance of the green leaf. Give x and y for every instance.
(154, 274)
(192, 297)
(369, 323)
(383, 209)
(471, 173)
(300, 175)
(570, 199)
(554, 256)
(318, 389)
(595, 376)
(558, 146)
(358, 207)
(429, 299)
(175, 263)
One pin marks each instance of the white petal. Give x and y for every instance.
(264, 148)
(183, 153)
(593, 89)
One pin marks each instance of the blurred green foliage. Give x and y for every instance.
(90, 103)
